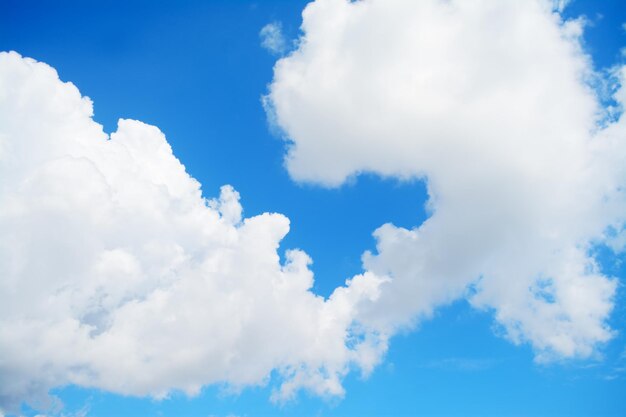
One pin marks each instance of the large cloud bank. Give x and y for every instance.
(117, 274)
(490, 102)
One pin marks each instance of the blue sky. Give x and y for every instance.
(197, 71)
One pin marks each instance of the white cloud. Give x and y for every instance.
(117, 274)
(560, 5)
(487, 101)
(272, 38)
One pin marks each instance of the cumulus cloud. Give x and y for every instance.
(272, 38)
(116, 273)
(489, 103)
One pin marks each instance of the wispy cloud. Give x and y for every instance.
(560, 5)
(462, 364)
(273, 39)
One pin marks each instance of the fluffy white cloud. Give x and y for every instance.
(117, 274)
(489, 102)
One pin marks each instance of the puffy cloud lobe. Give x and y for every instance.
(117, 274)
(488, 102)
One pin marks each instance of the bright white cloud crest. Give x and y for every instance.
(117, 274)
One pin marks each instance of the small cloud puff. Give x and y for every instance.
(272, 38)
